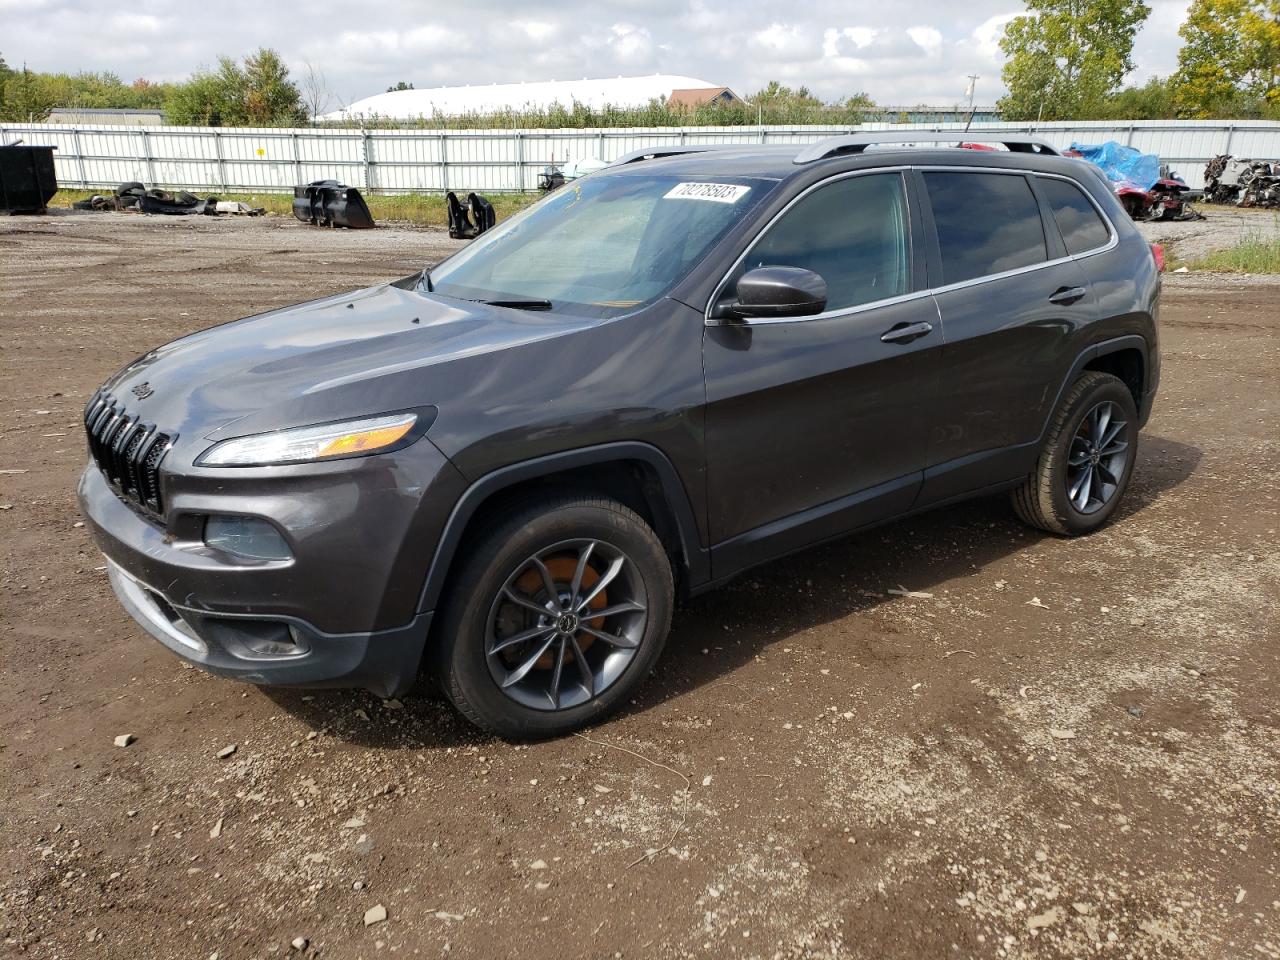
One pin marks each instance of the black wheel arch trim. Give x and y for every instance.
(1101, 349)
(695, 555)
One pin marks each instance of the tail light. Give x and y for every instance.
(1157, 253)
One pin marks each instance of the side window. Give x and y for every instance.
(987, 223)
(1081, 226)
(852, 233)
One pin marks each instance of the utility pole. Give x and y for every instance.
(973, 84)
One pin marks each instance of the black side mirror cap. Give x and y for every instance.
(772, 293)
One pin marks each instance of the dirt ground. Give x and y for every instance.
(1048, 748)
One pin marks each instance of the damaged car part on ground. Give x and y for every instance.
(468, 222)
(135, 197)
(506, 468)
(1246, 183)
(328, 203)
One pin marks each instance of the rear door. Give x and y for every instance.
(1011, 302)
(816, 425)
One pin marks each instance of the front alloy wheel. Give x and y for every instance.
(558, 610)
(566, 624)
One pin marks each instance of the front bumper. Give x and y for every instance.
(257, 649)
(343, 610)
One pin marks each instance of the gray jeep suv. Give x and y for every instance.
(505, 469)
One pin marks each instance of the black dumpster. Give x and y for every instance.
(27, 180)
(328, 203)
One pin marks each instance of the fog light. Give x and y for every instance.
(271, 639)
(246, 537)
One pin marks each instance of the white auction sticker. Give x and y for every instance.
(718, 192)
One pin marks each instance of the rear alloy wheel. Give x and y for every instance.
(1097, 458)
(1086, 460)
(554, 617)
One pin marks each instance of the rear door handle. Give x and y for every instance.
(906, 332)
(1067, 295)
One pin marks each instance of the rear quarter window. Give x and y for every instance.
(1078, 220)
(987, 223)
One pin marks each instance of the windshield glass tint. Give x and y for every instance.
(601, 246)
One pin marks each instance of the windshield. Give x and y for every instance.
(600, 246)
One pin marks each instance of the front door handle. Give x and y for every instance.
(906, 332)
(1067, 295)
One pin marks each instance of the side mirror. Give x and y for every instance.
(767, 293)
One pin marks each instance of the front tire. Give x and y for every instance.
(1086, 461)
(556, 615)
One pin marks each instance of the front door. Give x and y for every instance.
(817, 425)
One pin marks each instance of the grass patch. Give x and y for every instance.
(424, 209)
(1254, 254)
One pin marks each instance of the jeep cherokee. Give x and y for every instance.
(506, 468)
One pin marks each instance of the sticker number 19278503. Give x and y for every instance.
(716, 192)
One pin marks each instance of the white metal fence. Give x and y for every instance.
(231, 159)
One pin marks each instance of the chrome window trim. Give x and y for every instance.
(1017, 271)
(825, 315)
(1112, 242)
(901, 170)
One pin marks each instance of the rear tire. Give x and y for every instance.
(526, 576)
(1086, 461)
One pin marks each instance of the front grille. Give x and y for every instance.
(127, 450)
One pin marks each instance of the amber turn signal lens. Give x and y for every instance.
(363, 441)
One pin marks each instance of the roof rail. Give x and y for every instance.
(858, 142)
(653, 153)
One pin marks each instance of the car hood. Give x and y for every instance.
(354, 354)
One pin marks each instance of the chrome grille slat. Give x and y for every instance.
(127, 450)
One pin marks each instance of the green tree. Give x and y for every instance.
(778, 103)
(1065, 57)
(148, 94)
(779, 97)
(210, 98)
(29, 93)
(26, 97)
(1154, 100)
(271, 99)
(1229, 64)
(400, 86)
(259, 93)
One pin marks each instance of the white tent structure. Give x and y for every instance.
(491, 98)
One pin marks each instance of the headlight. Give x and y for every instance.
(327, 441)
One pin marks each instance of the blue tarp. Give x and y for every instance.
(1121, 164)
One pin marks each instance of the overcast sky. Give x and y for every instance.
(899, 53)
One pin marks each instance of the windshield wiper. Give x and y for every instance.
(514, 304)
(519, 304)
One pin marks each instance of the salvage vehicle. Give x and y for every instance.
(503, 471)
(1246, 183)
(1147, 189)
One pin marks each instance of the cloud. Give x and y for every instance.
(629, 44)
(785, 42)
(898, 54)
(928, 39)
